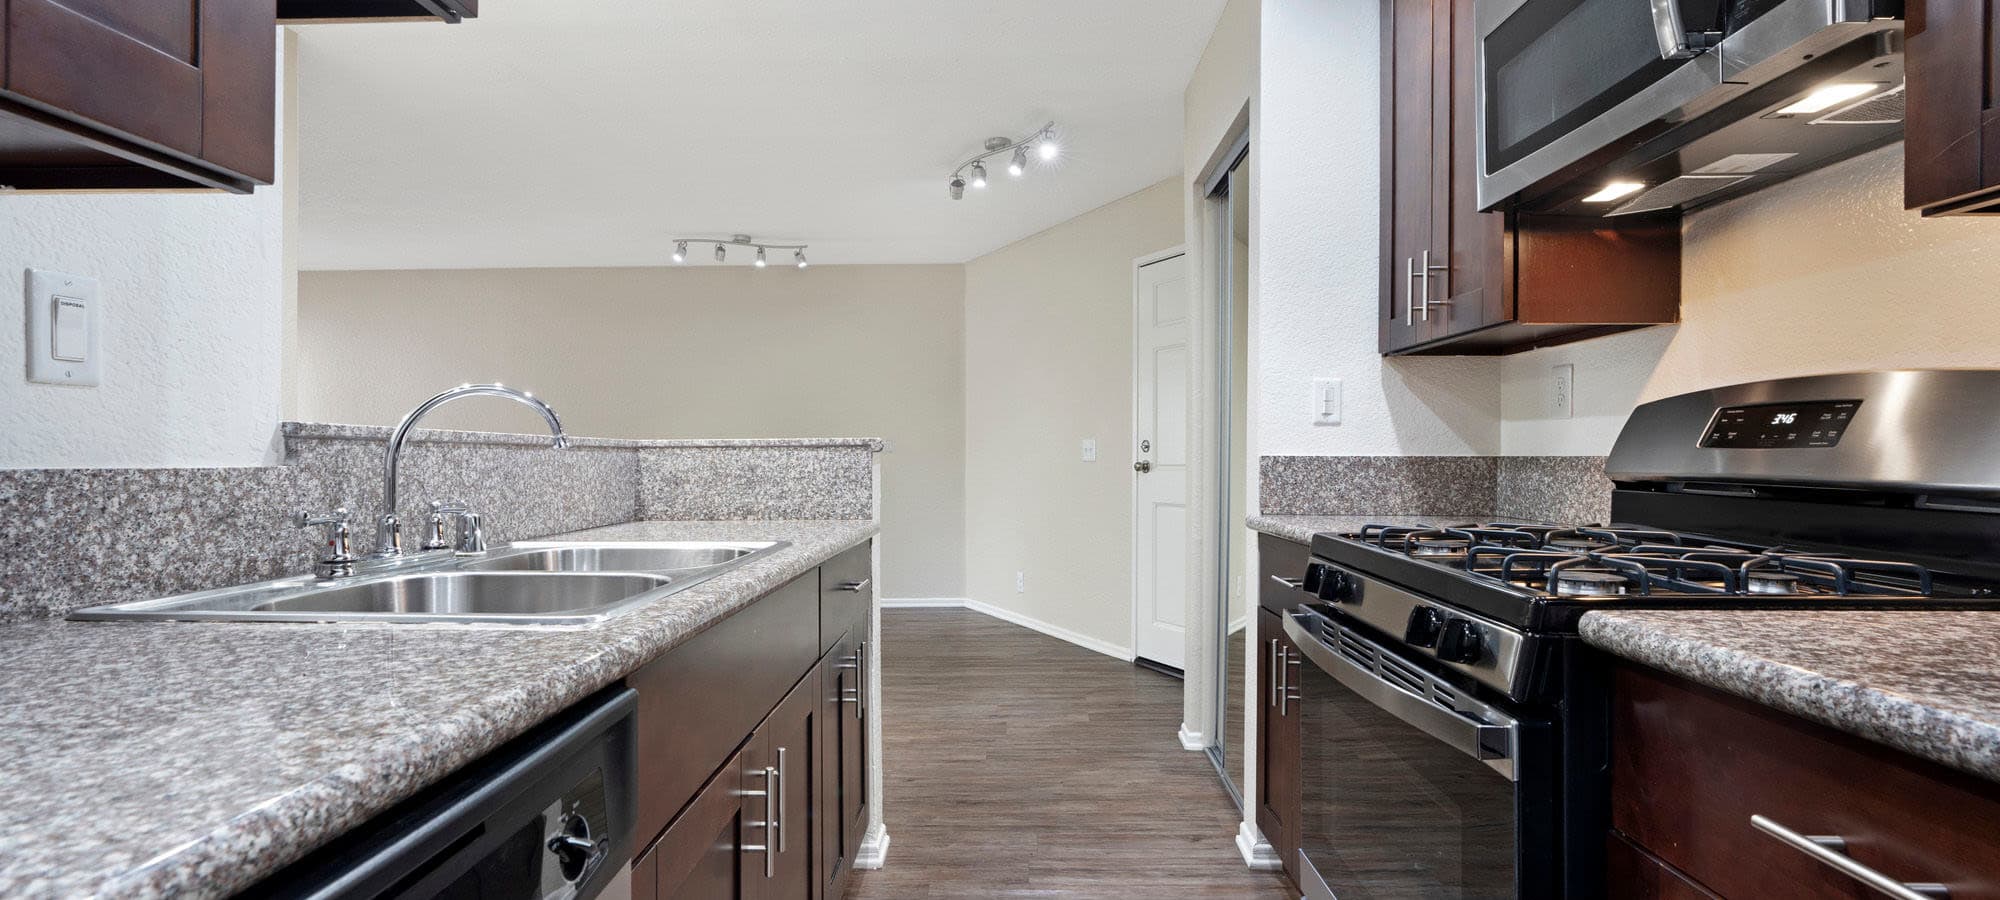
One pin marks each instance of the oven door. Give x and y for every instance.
(1410, 788)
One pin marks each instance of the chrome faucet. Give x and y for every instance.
(388, 527)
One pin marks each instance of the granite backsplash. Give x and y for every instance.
(1527, 488)
(71, 538)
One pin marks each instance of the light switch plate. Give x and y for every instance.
(75, 296)
(1326, 401)
(1089, 449)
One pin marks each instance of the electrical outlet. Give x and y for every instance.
(1562, 391)
(1020, 582)
(1089, 449)
(1326, 401)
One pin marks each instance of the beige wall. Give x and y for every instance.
(1824, 273)
(1048, 362)
(833, 351)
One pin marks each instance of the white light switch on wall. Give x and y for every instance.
(1562, 391)
(1326, 401)
(1089, 449)
(65, 316)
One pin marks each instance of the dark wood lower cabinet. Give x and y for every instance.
(843, 759)
(1277, 741)
(1692, 765)
(781, 812)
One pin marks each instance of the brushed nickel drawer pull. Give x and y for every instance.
(856, 587)
(1832, 851)
(1289, 583)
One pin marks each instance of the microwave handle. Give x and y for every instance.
(1480, 740)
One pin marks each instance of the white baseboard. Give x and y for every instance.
(1055, 631)
(874, 849)
(923, 602)
(1191, 740)
(1257, 853)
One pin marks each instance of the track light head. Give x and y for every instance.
(799, 258)
(1046, 147)
(957, 188)
(759, 262)
(680, 252)
(1019, 164)
(978, 175)
(721, 253)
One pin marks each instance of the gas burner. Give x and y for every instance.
(1766, 581)
(1578, 582)
(1576, 543)
(1436, 546)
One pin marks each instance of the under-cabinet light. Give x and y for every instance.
(1614, 191)
(1828, 96)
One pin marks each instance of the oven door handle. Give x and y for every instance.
(1491, 742)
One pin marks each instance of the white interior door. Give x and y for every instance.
(1160, 461)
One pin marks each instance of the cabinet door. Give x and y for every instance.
(702, 856)
(1951, 127)
(197, 78)
(853, 738)
(1476, 288)
(836, 730)
(1278, 740)
(783, 751)
(1408, 168)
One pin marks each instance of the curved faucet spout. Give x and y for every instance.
(388, 529)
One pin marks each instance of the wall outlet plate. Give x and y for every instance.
(1089, 449)
(1562, 391)
(65, 317)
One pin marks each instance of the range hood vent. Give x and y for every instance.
(1681, 190)
(1885, 108)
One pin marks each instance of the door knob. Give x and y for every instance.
(1142, 466)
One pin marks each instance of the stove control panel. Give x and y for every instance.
(1780, 426)
(1425, 624)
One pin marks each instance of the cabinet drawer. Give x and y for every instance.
(698, 701)
(847, 590)
(1279, 558)
(1692, 765)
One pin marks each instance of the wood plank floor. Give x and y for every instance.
(1023, 766)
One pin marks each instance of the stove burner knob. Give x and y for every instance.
(1425, 623)
(1461, 642)
(1330, 583)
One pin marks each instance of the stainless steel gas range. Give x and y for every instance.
(1453, 729)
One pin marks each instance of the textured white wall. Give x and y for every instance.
(1317, 252)
(702, 351)
(1825, 273)
(1048, 361)
(190, 285)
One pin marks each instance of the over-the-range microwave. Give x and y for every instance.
(1618, 107)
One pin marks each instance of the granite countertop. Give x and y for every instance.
(1921, 682)
(1300, 529)
(191, 759)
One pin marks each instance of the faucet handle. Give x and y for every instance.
(338, 557)
(434, 527)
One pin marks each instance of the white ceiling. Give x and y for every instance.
(589, 132)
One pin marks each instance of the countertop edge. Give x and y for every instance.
(345, 798)
(329, 431)
(1960, 741)
(1300, 529)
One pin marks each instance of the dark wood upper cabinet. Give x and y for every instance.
(311, 11)
(118, 95)
(1951, 124)
(1459, 281)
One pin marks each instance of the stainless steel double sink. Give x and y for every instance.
(542, 583)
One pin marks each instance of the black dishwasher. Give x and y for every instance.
(548, 815)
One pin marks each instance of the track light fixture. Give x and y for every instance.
(973, 171)
(722, 245)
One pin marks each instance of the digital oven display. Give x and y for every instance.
(1780, 426)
